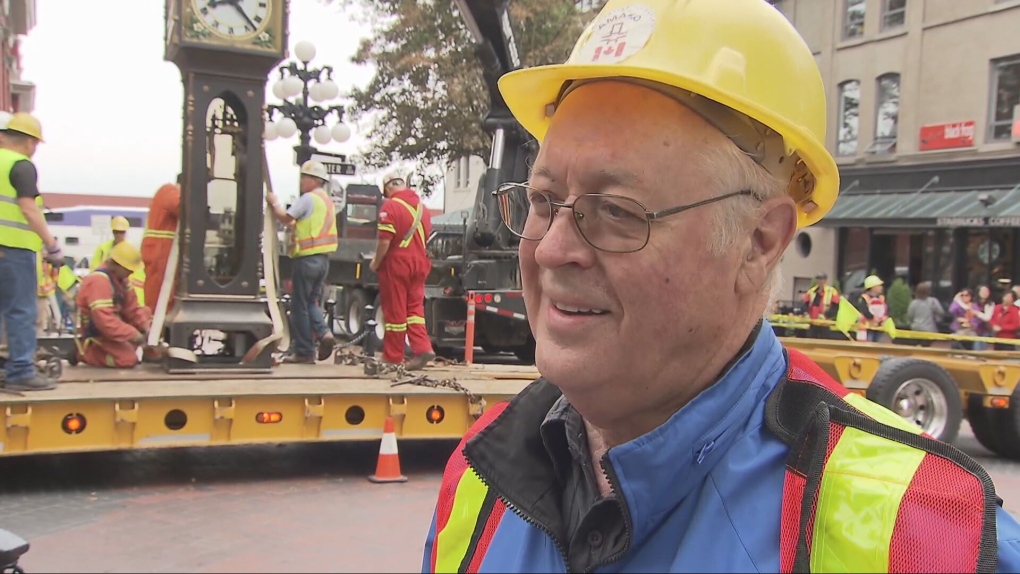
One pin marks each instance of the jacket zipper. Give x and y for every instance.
(526, 518)
(610, 474)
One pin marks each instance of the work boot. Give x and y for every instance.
(326, 345)
(34, 383)
(419, 362)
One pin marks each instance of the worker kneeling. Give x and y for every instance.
(113, 324)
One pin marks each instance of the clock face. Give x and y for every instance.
(234, 19)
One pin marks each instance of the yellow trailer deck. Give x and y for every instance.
(104, 409)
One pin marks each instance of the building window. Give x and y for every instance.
(1005, 96)
(853, 19)
(887, 114)
(894, 13)
(70, 241)
(848, 115)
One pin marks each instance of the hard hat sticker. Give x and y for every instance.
(618, 35)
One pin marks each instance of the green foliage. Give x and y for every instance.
(427, 99)
(898, 299)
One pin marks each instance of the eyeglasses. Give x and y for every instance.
(608, 222)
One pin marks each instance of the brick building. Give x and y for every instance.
(923, 106)
(17, 18)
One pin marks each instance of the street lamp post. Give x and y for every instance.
(302, 83)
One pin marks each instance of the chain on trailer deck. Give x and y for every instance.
(401, 376)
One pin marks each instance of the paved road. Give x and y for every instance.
(292, 508)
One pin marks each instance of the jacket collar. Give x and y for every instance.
(656, 471)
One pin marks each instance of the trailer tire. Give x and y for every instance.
(982, 421)
(354, 308)
(921, 392)
(380, 322)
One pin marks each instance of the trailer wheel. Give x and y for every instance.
(356, 301)
(921, 392)
(380, 323)
(982, 421)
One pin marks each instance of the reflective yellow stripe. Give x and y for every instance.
(414, 213)
(453, 541)
(412, 320)
(861, 490)
(157, 234)
(387, 227)
(100, 303)
(395, 326)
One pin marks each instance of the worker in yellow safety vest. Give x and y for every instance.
(48, 318)
(119, 225)
(822, 301)
(23, 235)
(313, 217)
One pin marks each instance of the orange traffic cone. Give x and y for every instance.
(388, 467)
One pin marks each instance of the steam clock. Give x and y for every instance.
(225, 50)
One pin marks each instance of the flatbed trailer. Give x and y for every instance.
(935, 388)
(105, 409)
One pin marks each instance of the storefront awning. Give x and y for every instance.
(975, 208)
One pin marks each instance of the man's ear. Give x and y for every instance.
(772, 233)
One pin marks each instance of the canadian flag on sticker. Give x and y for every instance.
(618, 35)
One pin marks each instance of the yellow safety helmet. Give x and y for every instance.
(120, 223)
(716, 57)
(25, 123)
(126, 255)
(872, 281)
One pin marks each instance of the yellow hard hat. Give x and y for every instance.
(872, 281)
(742, 54)
(119, 223)
(126, 255)
(25, 123)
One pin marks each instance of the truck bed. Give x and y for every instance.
(113, 409)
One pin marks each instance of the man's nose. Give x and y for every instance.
(563, 244)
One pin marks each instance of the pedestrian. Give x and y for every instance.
(403, 264)
(667, 435)
(1006, 321)
(986, 304)
(966, 316)
(23, 234)
(113, 324)
(924, 312)
(313, 216)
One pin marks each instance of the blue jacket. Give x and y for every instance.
(704, 490)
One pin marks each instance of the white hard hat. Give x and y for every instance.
(392, 176)
(315, 169)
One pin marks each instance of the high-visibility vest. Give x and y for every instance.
(877, 307)
(45, 285)
(864, 517)
(137, 282)
(316, 233)
(416, 214)
(66, 278)
(14, 229)
(101, 254)
(827, 296)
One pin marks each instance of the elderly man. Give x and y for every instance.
(682, 146)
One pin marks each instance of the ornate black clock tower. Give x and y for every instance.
(225, 50)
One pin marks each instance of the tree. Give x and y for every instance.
(899, 298)
(427, 99)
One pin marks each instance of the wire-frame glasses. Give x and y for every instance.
(608, 222)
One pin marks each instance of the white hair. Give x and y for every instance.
(732, 170)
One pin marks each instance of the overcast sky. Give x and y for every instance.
(111, 107)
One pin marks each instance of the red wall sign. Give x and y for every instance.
(947, 136)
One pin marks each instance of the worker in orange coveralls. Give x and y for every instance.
(403, 265)
(160, 227)
(113, 324)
